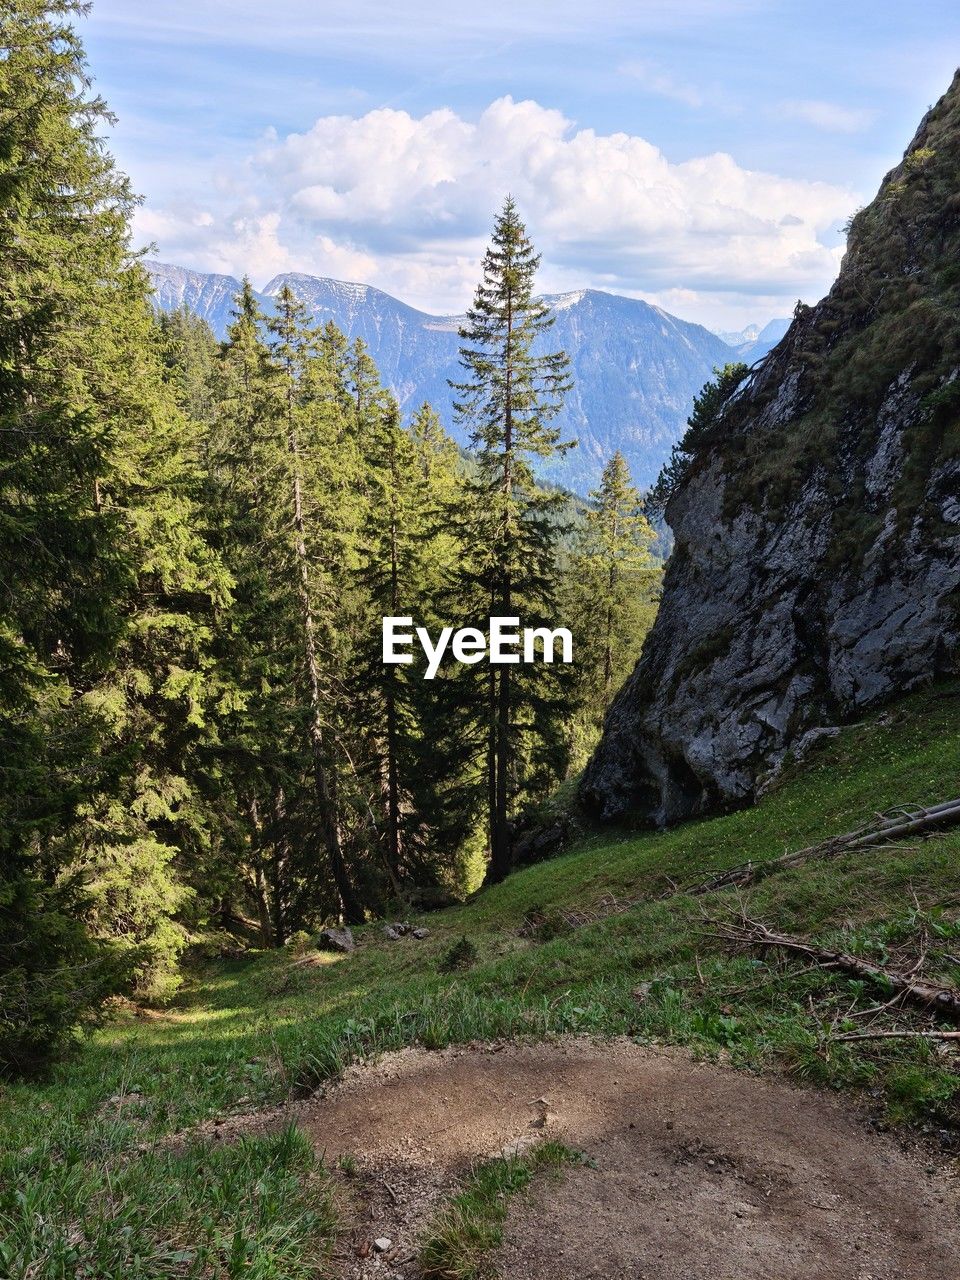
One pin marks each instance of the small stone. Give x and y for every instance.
(390, 932)
(421, 933)
(382, 1244)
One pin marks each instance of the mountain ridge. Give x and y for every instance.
(636, 367)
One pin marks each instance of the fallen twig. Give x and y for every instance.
(944, 999)
(887, 829)
(898, 1035)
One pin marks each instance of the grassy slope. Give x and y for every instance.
(84, 1192)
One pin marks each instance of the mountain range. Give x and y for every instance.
(753, 342)
(636, 368)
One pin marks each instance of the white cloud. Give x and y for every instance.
(829, 116)
(406, 203)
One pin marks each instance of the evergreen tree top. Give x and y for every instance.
(511, 392)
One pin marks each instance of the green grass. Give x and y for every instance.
(76, 1167)
(458, 1243)
(257, 1208)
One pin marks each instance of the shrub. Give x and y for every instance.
(462, 955)
(54, 978)
(701, 434)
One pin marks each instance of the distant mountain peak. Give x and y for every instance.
(563, 301)
(342, 288)
(636, 367)
(753, 342)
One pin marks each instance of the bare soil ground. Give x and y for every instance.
(701, 1172)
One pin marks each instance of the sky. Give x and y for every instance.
(701, 154)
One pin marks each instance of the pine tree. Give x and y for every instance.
(285, 481)
(510, 398)
(293, 346)
(700, 434)
(437, 452)
(611, 586)
(189, 353)
(105, 575)
(255, 709)
(408, 553)
(615, 550)
(390, 576)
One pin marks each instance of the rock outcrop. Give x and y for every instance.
(816, 569)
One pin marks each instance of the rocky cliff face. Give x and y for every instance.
(817, 561)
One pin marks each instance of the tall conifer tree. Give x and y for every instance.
(407, 556)
(614, 552)
(106, 582)
(511, 395)
(293, 347)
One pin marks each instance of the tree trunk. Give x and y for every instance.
(259, 879)
(491, 766)
(608, 655)
(608, 630)
(500, 844)
(500, 853)
(393, 780)
(324, 775)
(278, 867)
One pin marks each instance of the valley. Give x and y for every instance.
(408, 869)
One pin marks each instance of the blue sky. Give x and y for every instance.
(703, 155)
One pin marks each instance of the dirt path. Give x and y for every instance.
(702, 1173)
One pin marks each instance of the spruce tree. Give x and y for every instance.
(408, 553)
(293, 346)
(285, 483)
(614, 552)
(248, 780)
(105, 575)
(611, 585)
(189, 353)
(511, 394)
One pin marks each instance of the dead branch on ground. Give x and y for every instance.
(944, 1000)
(890, 827)
(897, 1035)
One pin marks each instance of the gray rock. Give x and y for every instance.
(334, 939)
(420, 933)
(389, 931)
(769, 636)
(382, 1244)
(805, 745)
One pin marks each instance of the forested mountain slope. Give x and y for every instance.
(817, 519)
(636, 368)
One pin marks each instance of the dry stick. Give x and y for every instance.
(945, 1000)
(878, 1008)
(923, 819)
(899, 1035)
